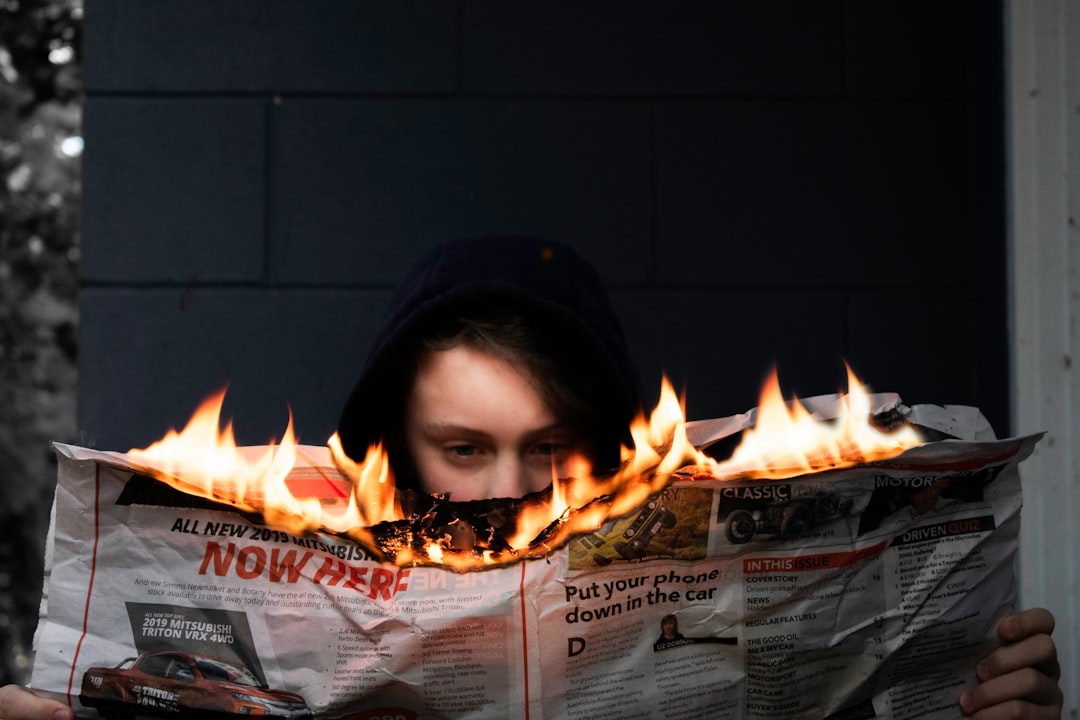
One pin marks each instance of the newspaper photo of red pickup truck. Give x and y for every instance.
(181, 684)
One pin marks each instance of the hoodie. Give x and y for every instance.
(546, 279)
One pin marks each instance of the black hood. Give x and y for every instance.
(543, 276)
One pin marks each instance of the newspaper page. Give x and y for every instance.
(868, 592)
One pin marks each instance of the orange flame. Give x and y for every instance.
(330, 492)
(787, 440)
(204, 460)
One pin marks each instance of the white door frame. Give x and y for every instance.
(1043, 136)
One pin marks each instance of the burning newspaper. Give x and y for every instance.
(867, 591)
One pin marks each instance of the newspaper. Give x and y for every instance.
(868, 592)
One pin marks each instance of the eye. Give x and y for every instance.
(462, 450)
(551, 450)
(547, 449)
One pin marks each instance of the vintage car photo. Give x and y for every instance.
(786, 518)
(181, 684)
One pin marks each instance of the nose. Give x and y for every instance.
(511, 476)
(506, 477)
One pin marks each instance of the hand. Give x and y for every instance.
(17, 703)
(1020, 678)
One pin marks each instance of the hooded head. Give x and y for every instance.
(532, 303)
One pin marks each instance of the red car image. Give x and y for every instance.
(184, 685)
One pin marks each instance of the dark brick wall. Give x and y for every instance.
(758, 181)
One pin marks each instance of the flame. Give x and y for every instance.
(787, 440)
(203, 459)
(336, 494)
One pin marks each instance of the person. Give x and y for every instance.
(479, 313)
(669, 633)
(501, 356)
(669, 628)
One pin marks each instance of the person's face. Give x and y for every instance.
(668, 628)
(476, 427)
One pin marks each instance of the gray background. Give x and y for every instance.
(758, 181)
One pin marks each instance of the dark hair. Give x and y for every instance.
(565, 371)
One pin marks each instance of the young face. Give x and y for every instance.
(476, 427)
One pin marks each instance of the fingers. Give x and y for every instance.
(1024, 624)
(17, 703)
(1026, 642)
(1025, 693)
(1020, 678)
(1016, 710)
(1037, 652)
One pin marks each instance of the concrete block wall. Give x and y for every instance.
(757, 181)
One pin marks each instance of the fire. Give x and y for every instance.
(321, 490)
(787, 440)
(203, 459)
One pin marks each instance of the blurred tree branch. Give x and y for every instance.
(40, 192)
